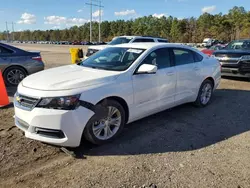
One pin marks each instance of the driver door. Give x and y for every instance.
(154, 92)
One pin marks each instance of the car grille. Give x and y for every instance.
(91, 52)
(25, 102)
(229, 55)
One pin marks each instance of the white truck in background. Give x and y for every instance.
(207, 42)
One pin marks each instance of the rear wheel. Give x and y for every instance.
(205, 94)
(100, 130)
(14, 75)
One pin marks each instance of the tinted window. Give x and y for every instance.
(197, 57)
(239, 45)
(143, 40)
(183, 57)
(119, 40)
(165, 41)
(158, 57)
(5, 50)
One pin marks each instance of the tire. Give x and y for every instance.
(200, 101)
(14, 75)
(96, 123)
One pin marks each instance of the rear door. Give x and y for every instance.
(188, 74)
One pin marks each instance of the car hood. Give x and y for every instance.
(68, 77)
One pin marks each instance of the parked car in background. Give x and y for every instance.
(210, 51)
(76, 43)
(121, 40)
(16, 64)
(235, 58)
(115, 86)
(207, 42)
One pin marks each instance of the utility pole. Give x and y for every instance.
(13, 32)
(100, 19)
(91, 15)
(7, 32)
(90, 24)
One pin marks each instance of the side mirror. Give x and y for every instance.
(147, 69)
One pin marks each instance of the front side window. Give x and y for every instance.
(120, 40)
(160, 58)
(143, 40)
(183, 57)
(115, 59)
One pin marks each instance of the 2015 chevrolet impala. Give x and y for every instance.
(115, 86)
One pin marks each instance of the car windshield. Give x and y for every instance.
(119, 40)
(113, 58)
(239, 45)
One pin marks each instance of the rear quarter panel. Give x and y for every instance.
(211, 68)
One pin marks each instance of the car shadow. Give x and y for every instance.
(236, 78)
(183, 128)
(11, 91)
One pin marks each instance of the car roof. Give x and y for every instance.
(137, 36)
(148, 45)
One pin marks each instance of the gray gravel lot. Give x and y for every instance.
(180, 147)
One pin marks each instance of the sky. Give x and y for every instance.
(59, 14)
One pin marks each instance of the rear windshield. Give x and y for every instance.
(119, 40)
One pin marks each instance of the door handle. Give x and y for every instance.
(196, 68)
(170, 73)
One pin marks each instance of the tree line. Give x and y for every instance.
(233, 25)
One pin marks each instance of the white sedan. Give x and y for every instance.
(115, 86)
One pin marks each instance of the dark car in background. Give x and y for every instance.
(16, 64)
(235, 58)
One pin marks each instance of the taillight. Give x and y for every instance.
(38, 58)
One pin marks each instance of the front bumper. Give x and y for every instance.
(56, 127)
(237, 69)
(234, 72)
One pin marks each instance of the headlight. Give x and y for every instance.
(245, 57)
(61, 103)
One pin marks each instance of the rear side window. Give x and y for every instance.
(5, 50)
(164, 41)
(183, 57)
(143, 40)
(197, 57)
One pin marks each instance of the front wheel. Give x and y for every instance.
(100, 130)
(205, 94)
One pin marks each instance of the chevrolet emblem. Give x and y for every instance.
(18, 99)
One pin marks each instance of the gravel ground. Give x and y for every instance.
(181, 147)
